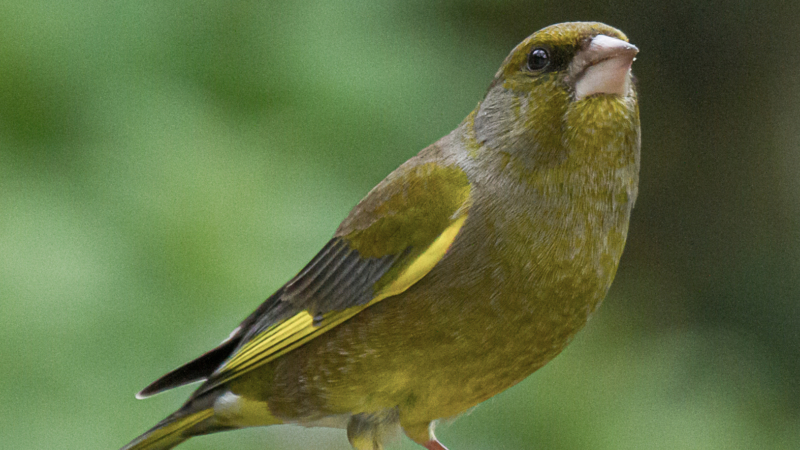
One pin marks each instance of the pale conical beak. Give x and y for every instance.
(603, 67)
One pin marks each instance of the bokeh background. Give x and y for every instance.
(164, 166)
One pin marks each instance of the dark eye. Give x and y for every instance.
(538, 59)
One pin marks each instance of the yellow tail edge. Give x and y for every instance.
(170, 432)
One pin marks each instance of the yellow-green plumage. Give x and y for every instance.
(468, 268)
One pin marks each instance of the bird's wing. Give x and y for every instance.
(392, 239)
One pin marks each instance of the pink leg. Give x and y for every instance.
(434, 445)
(422, 434)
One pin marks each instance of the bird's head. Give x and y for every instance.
(566, 87)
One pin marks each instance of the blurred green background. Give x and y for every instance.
(164, 166)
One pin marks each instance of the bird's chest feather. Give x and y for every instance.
(537, 265)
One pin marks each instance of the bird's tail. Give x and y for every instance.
(171, 431)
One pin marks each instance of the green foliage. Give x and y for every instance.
(164, 166)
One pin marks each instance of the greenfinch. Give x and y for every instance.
(465, 270)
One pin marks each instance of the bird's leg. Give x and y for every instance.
(433, 444)
(422, 434)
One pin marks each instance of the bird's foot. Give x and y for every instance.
(434, 445)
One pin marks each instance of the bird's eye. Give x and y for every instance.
(538, 59)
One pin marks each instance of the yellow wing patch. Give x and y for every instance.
(424, 262)
(286, 336)
(290, 330)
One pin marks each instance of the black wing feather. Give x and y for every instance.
(195, 370)
(335, 279)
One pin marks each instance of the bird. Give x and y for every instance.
(465, 270)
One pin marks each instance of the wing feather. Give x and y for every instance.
(366, 262)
